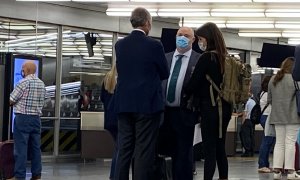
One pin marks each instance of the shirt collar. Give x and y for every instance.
(30, 76)
(139, 30)
(186, 54)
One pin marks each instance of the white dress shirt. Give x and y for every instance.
(185, 62)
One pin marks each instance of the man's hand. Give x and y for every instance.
(11, 103)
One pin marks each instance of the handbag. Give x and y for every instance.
(269, 128)
(297, 94)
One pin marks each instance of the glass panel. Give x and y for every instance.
(82, 77)
(33, 40)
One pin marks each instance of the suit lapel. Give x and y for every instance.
(192, 63)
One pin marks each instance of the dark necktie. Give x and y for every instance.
(173, 80)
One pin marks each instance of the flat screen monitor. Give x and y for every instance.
(17, 63)
(272, 55)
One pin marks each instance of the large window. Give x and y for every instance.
(87, 56)
(30, 39)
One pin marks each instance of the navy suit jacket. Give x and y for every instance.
(296, 71)
(141, 67)
(192, 63)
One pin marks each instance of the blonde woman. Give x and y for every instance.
(281, 95)
(110, 117)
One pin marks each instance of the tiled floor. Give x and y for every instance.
(239, 169)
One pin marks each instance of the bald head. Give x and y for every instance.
(29, 68)
(188, 33)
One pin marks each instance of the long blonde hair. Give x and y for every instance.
(286, 68)
(110, 79)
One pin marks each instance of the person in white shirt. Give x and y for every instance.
(267, 141)
(247, 130)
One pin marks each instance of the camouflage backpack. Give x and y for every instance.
(235, 85)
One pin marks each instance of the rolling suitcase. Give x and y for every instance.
(7, 159)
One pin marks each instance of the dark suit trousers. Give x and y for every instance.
(182, 124)
(137, 136)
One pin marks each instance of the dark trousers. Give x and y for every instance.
(213, 146)
(182, 124)
(137, 134)
(265, 147)
(247, 136)
(114, 134)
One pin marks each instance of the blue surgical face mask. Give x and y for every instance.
(182, 42)
(202, 46)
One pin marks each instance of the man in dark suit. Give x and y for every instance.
(180, 120)
(296, 71)
(141, 66)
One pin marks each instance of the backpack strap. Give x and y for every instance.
(265, 108)
(260, 96)
(219, 102)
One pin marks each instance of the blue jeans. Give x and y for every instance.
(265, 147)
(27, 136)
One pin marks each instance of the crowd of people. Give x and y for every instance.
(147, 91)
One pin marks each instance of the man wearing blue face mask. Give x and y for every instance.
(178, 120)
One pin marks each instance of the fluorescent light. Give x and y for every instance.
(197, 23)
(2, 36)
(70, 54)
(291, 34)
(18, 27)
(43, 0)
(259, 33)
(277, 1)
(100, 0)
(107, 54)
(238, 12)
(294, 41)
(106, 43)
(223, 1)
(250, 24)
(47, 50)
(183, 12)
(169, 1)
(106, 49)
(105, 35)
(126, 11)
(94, 57)
(287, 25)
(282, 13)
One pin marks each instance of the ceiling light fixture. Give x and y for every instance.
(100, 0)
(293, 13)
(277, 1)
(194, 23)
(294, 41)
(259, 33)
(126, 11)
(183, 12)
(291, 34)
(169, 1)
(237, 12)
(250, 24)
(287, 25)
(222, 1)
(43, 0)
